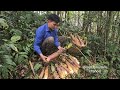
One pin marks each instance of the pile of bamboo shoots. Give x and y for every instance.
(62, 68)
(78, 40)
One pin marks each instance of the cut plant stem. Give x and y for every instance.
(32, 67)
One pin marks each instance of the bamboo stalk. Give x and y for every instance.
(31, 66)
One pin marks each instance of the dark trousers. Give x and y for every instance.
(48, 47)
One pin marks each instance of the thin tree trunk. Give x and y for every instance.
(68, 17)
(84, 20)
(78, 18)
(99, 23)
(107, 29)
(108, 24)
(65, 16)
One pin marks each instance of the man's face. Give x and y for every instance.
(53, 25)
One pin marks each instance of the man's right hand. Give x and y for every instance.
(61, 49)
(43, 57)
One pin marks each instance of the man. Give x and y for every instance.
(46, 37)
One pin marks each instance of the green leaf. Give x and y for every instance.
(37, 66)
(29, 45)
(16, 32)
(5, 72)
(15, 38)
(0, 65)
(13, 54)
(88, 52)
(113, 58)
(13, 47)
(8, 60)
(16, 58)
(36, 77)
(23, 53)
(20, 59)
(5, 40)
(11, 68)
(21, 17)
(3, 23)
(1, 52)
(25, 56)
(118, 58)
(27, 48)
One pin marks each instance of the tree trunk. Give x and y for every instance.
(68, 17)
(108, 25)
(84, 21)
(107, 29)
(99, 23)
(78, 18)
(65, 16)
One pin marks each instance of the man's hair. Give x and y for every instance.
(54, 17)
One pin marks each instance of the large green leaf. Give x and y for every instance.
(13, 47)
(15, 38)
(8, 60)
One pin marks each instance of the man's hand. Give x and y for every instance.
(61, 48)
(44, 58)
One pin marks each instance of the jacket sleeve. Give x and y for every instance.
(38, 40)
